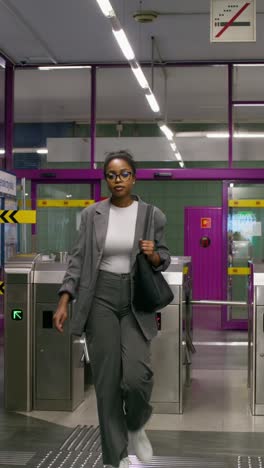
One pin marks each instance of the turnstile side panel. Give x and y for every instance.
(77, 371)
(18, 294)
(17, 278)
(259, 295)
(260, 355)
(17, 367)
(52, 358)
(165, 358)
(47, 292)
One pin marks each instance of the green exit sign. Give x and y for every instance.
(17, 314)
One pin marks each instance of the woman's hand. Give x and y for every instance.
(61, 313)
(148, 248)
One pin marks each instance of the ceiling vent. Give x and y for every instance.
(145, 16)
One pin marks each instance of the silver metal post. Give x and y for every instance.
(211, 302)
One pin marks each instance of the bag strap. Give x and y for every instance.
(148, 220)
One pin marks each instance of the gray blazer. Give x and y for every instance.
(84, 261)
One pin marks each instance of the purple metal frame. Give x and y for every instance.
(230, 115)
(93, 116)
(92, 175)
(9, 116)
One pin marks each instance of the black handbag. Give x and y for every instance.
(151, 290)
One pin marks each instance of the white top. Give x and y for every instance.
(119, 239)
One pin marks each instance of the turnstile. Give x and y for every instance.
(43, 369)
(18, 311)
(172, 347)
(256, 339)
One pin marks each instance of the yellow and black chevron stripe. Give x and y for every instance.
(2, 287)
(18, 216)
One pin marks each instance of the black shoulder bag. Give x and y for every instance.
(151, 290)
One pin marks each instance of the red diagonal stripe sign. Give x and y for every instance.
(230, 22)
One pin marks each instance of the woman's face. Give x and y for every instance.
(119, 178)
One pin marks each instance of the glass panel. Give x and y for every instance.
(249, 136)
(244, 76)
(57, 227)
(245, 228)
(49, 106)
(120, 99)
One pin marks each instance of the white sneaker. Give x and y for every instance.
(124, 463)
(142, 445)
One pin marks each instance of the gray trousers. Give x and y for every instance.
(120, 363)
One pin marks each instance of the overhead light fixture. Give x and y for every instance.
(248, 104)
(178, 156)
(42, 151)
(166, 130)
(217, 135)
(106, 8)
(142, 81)
(124, 43)
(249, 65)
(231, 185)
(2, 151)
(152, 102)
(68, 67)
(248, 135)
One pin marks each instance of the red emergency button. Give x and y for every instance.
(205, 241)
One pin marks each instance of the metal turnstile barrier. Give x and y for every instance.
(18, 350)
(256, 339)
(171, 349)
(44, 369)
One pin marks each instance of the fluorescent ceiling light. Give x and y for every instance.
(178, 156)
(42, 151)
(231, 185)
(2, 151)
(152, 102)
(181, 164)
(249, 65)
(217, 135)
(140, 77)
(173, 146)
(68, 67)
(124, 44)
(248, 135)
(249, 104)
(236, 135)
(167, 131)
(106, 8)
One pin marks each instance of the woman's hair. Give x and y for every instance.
(120, 155)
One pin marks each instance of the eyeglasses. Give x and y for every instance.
(123, 175)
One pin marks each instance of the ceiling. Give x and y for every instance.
(67, 31)
(64, 31)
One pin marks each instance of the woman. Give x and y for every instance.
(100, 273)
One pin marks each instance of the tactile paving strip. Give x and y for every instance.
(15, 458)
(82, 449)
(250, 462)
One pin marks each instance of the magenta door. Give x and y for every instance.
(203, 241)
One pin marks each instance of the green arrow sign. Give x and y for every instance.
(17, 314)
